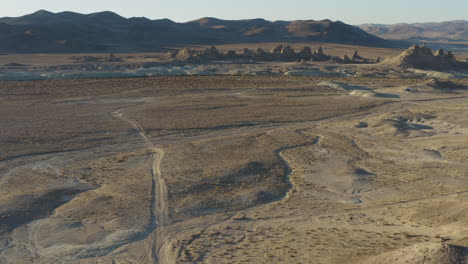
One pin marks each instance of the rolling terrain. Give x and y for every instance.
(234, 169)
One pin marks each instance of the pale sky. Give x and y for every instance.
(348, 11)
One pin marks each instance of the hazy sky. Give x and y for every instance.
(349, 11)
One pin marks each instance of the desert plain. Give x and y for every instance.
(317, 163)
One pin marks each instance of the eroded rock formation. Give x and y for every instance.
(421, 57)
(277, 53)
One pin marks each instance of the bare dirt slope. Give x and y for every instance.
(233, 170)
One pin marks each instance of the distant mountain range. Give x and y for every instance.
(445, 31)
(47, 32)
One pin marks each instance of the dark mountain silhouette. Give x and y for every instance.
(49, 32)
(456, 30)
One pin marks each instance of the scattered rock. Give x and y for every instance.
(239, 216)
(362, 125)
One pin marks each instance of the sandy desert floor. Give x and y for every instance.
(233, 169)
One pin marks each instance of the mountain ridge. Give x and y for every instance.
(63, 32)
(455, 30)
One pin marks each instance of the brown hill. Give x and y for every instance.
(451, 30)
(49, 32)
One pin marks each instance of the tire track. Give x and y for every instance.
(160, 244)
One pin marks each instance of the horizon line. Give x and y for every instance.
(279, 20)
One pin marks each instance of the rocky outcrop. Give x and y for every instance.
(231, 54)
(278, 53)
(356, 56)
(305, 54)
(319, 51)
(346, 59)
(261, 54)
(283, 52)
(247, 52)
(276, 50)
(169, 55)
(186, 54)
(319, 55)
(336, 59)
(355, 59)
(421, 57)
(287, 52)
(210, 53)
(440, 53)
